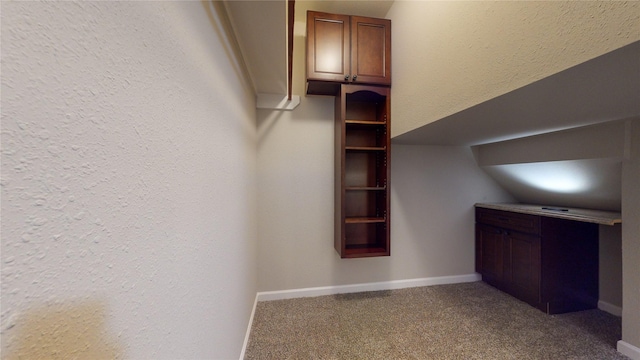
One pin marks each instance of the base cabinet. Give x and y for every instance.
(550, 263)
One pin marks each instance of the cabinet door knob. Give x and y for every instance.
(346, 77)
(355, 77)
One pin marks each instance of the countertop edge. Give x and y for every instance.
(584, 215)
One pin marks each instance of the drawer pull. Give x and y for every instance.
(504, 219)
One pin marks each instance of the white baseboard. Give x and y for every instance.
(248, 332)
(610, 308)
(629, 350)
(377, 286)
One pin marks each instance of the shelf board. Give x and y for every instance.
(366, 148)
(364, 220)
(355, 251)
(365, 188)
(365, 122)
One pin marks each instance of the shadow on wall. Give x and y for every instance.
(60, 331)
(221, 25)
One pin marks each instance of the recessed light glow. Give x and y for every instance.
(558, 176)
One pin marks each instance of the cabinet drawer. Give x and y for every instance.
(525, 223)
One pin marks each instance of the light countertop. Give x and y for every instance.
(584, 215)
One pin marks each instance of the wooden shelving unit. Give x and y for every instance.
(349, 57)
(362, 171)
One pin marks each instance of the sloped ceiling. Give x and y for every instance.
(602, 89)
(450, 56)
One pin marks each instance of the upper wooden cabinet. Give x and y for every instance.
(346, 49)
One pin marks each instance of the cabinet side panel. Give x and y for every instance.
(339, 160)
(384, 114)
(574, 248)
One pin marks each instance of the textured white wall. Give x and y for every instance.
(631, 238)
(128, 183)
(433, 189)
(610, 264)
(451, 55)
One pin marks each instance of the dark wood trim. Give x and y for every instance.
(290, 23)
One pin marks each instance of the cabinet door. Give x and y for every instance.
(489, 257)
(370, 50)
(327, 46)
(523, 266)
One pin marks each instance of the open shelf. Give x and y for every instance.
(364, 122)
(366, 239)
(364, 251)
(358, 136)
(362, 171)
(365, 204)
(363, 220)
(368, 188)
(365, 148)
(365, 169)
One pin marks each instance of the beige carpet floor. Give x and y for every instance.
(460, 321)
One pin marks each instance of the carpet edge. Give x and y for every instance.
(362, 287)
